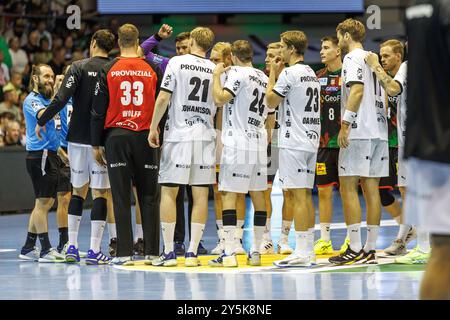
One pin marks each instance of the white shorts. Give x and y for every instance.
(428, 196)
(188, 162)
(297, 168)
(84, 169)
(364, 158)
(242, 171)
(401, 169)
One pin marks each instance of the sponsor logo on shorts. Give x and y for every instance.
(118, 164)
(183, 166)
(151, 166)
(98, 172)
(321, 169)
(306, 170)
(207, 167)
(241, 175)
(76, 171)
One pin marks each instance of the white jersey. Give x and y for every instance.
(400, 77)
(192, 109)
(244, 116)
(299, 112)
(371, 120)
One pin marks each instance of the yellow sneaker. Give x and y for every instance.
(323, 247)
(344, 246)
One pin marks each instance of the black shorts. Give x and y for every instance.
(327, 167)
(64, 184)
(43, 168)
(390, 182)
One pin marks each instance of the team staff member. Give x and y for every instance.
(123, 105)
(79, 83)
(42, 166)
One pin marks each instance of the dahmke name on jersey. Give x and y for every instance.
(132, 73)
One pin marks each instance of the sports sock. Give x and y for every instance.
(403, 230)
(354, 233)
(285, 228)
(301, 242)
(267, 235)
(97, 228)
(138, 232)
(311, 234)
(74, 225)
(372, 236)
(112, 231)
(259, 227)
(63, 236)
(229, 239)
(168, 230)
(240, 226)
(45, 242)
(219, 224)
(74, 217)
(325, 231)
(196, 235)
(423, 240)
(31, 240)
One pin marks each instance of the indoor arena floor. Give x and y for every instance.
(31, 280)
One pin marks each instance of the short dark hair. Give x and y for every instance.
(104, 39)
(128, 35)
(333, 39)
(243, 50)
(36, 71)
(182, 36)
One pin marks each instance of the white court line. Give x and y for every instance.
(7, 250)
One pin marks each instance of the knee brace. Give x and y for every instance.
(229, 217)
(260, 218)
(387, 198)
(99, 208)
(76, 205)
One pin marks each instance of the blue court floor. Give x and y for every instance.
(31, 280)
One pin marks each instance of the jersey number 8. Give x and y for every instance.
(138, 88)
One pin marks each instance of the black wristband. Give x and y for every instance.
(157, 37)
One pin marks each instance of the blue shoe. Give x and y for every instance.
(166, 260)
(201, 249)
(96, 258)
(72, 255)
(179, 248)
(224, 261)
(191, 260)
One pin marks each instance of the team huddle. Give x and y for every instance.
(154, 125)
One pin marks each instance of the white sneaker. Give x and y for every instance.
(32, 255)
(284, 248)
(122, 261)
(239, 249)
(266, 247)
(219, 248)
(52, 256)
(294, 260)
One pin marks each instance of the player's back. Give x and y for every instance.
(244, 116)
(300, 109)
(86, 72)
(191, 113)
(132, 90)
(371, 122)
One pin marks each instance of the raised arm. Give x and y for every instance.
(391, 86)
